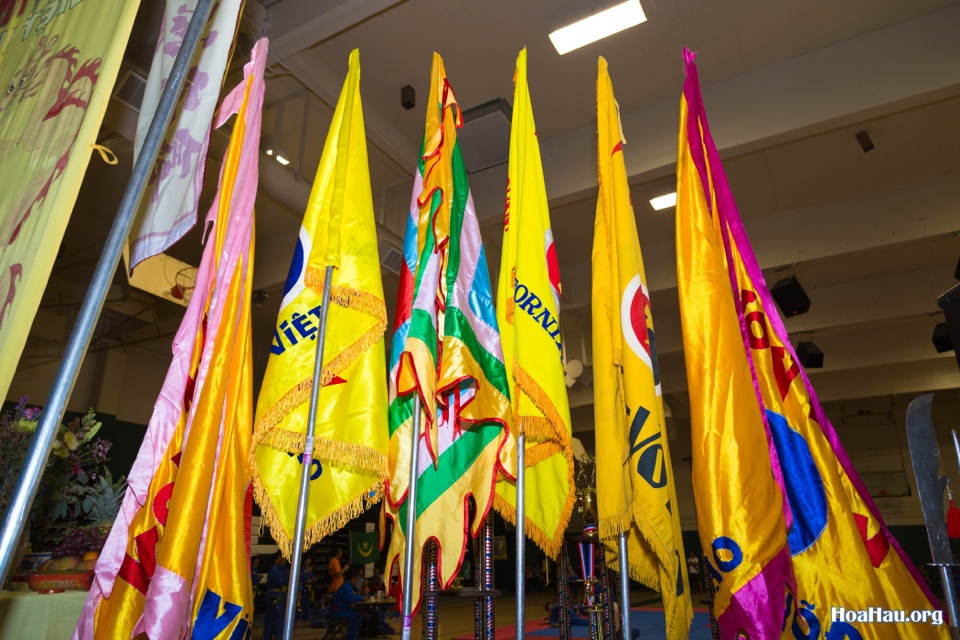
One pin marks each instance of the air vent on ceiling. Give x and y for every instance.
(392, 260)
(485, 135)
(129, 90)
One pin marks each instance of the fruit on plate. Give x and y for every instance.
(91, 555)
(65, 563)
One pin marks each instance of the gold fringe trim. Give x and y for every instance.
(551, 435)
(537, 453)
(506, 510)
(609, 529)
(538, 428)
(347, 297)
(650, 578)
(612, 526)
(551, 545)
(348, 454)
(542, 402)
(322, 528)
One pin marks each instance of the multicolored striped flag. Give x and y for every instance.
(177, 561)
(169, 207)
(350, 451)
(636, 492)
(528, 309)
(793, 535)
(446, 348)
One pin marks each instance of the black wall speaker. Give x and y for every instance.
(941, 338)
(949, 331)
(809, 355)
(790, 297)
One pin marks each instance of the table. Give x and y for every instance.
(40, 616)
(370, 609)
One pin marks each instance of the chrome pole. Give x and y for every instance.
(411, 521)
(36, 459)
(290, 616)
(521, 537)
(625, 587)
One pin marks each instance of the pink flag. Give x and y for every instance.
(156, 574)
(169, 207)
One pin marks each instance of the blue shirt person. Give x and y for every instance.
(341, 603)
(275, 597)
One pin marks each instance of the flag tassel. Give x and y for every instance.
(298, 533)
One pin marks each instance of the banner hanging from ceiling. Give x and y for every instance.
(58, 63)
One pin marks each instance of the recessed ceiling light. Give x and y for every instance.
(598, 26)
(285, 162)
(664, 202)
(269, 152)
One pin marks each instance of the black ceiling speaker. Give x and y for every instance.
(941, 338)
(790, 297)
(408, 97)
(809, 355)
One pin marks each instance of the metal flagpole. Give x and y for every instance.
(625, 587)
(411, 521)
(489, 608)
(39, 450)
(925, 455)
(428, 618)
(521, 538)
(563, 592)
(290, 616)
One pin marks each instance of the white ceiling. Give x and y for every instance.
(786, 86)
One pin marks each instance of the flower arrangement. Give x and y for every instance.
(78, 497)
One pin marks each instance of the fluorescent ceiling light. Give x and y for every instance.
(664, 202)
(598, 26)
(285, 162)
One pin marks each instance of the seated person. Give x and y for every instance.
(376, 582)
(576, 619)
(341, 603)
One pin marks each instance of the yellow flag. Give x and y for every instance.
(797, 547)
(636, 492)
(528, 306)
(350, 453)
(58, 63)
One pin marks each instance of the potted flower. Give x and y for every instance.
(78, 498)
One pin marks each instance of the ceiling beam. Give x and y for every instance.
(295, 25)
